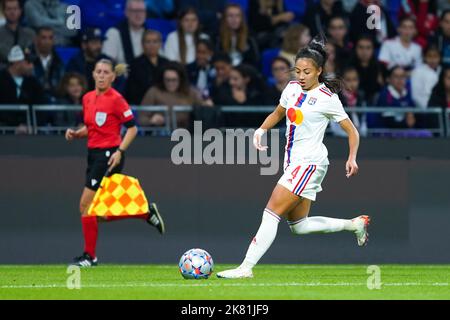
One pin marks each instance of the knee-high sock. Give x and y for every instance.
(263, 240)
(90, 232)
(320, 225)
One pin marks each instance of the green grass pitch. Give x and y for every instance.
(269, 282)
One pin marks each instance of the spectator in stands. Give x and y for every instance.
(318, 15)
(200, 72)
(208, 11)
(268, 21)
(281, 75)
(425, 77)
(180, 44)
(12, 33)
(440, 96)
(402, 51)
(222, 69)
(160, 9)
(48, 66)
(234, 38)
(351, 97)
(370, 70)
(172, 88)
(424, 12)
(2, 17)
(442, 38)
(338, 35)
(297, 36)
(124, 42)
(71, 90)
(84, 62)
(145, 68)
(241, 89)
(360, 17)
(50, 13)
(333, 65)
(396, 94)
(19, 86)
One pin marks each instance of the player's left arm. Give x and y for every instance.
(351, 166)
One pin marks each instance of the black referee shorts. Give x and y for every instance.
(98, 164)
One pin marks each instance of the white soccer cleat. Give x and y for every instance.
(361, 223)
(238, 273)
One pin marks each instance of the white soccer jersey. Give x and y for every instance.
(307, 116)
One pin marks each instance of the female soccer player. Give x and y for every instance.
(104, 112)
(308, 104)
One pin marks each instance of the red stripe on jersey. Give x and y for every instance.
(327, 93)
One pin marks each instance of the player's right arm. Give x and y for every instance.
(76, 134)
(270, 122)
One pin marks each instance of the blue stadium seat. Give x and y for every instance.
(162, 25)
(242, 3)
(66, 53)
(296, 6)
(267, 56)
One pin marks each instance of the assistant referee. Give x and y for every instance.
(104, 113)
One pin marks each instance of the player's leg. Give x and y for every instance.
(300, 223)
(280, 203)
(90, 231)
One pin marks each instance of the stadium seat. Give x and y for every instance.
(295, 6)
(242, 3)
(162, 25)
(267, 56)
(66, 53)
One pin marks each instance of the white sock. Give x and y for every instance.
(263, 240)
(320, 225)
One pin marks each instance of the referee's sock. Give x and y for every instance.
(90, 233)
(137, 216)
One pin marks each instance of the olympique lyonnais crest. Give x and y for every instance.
(100, 118)
(312, 100)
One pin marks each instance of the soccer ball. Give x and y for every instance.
(196, 264)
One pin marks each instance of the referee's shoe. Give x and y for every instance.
(155, 219)
(85, 261)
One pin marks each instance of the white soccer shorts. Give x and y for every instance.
(304, 180)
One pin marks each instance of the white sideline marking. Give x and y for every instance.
(222, 284)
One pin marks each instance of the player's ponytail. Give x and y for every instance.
(317, 52)
(119, 69)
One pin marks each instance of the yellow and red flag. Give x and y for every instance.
(119, 195)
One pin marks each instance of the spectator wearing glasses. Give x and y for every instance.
(124, 42)
(172, 88)
(145, 68)
(281, 75)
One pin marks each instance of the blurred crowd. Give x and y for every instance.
(217, 52)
